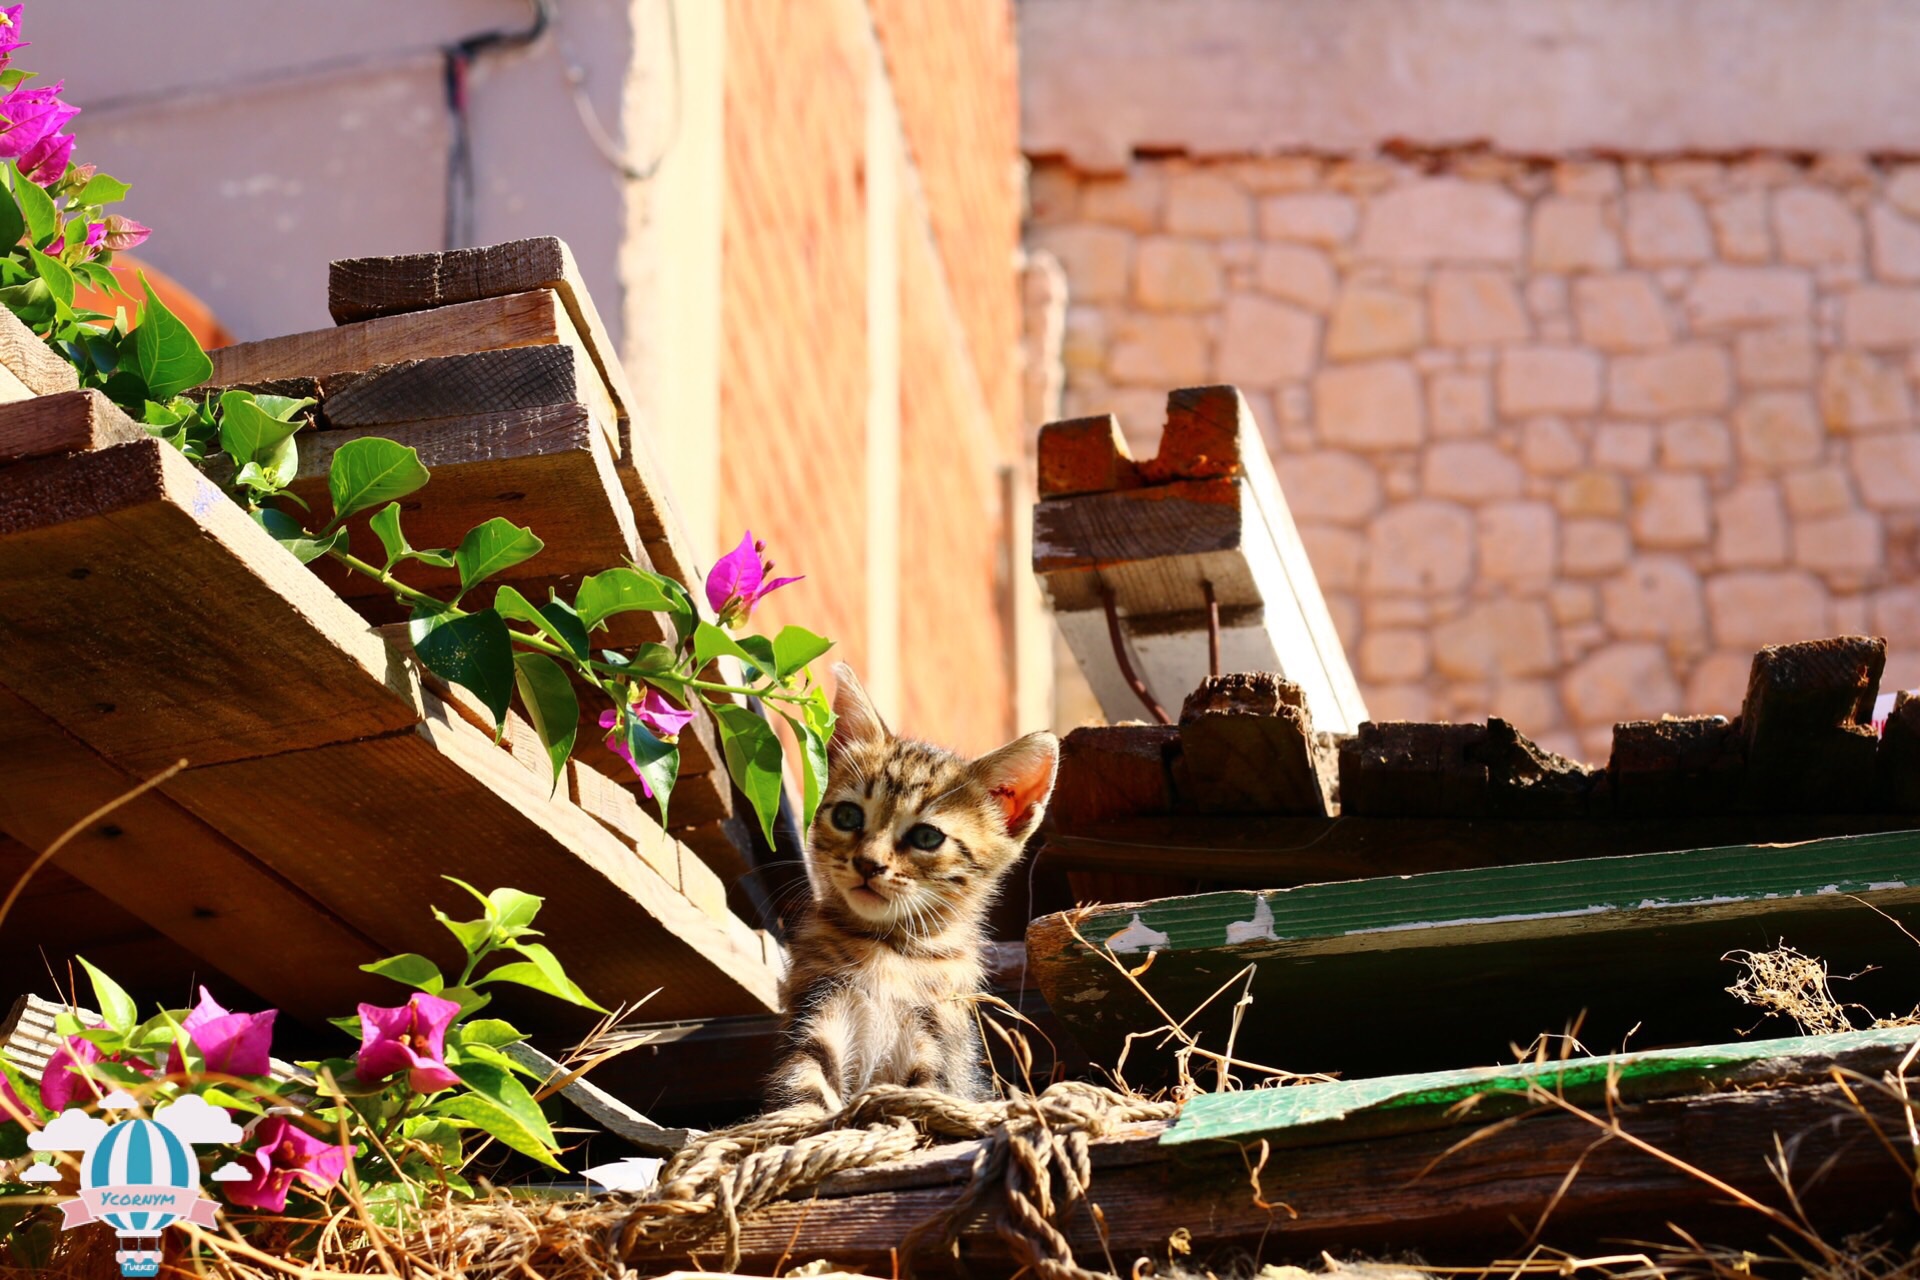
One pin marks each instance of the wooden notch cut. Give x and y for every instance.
(1202, 438)
(1085, 455)
(531, 319)
(66, 422)
(1807, 722)
(364, 288)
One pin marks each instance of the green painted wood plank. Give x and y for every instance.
(1528, 899)
(1645, 1074)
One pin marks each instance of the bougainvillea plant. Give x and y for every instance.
(408, 1113)
(540, 651)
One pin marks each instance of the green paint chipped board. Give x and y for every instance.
(1427, 972)
(1251, 1113)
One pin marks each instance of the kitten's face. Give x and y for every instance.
(909, 835)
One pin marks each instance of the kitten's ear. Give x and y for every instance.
(856, 721)
(1020, 776)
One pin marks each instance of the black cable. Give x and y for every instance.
(457, 61)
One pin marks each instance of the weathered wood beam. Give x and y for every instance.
(1210, 517)
(1247, 745)
(534, 318)
(63, 422)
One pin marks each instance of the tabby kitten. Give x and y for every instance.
(904, 858)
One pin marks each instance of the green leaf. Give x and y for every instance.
(102, 189)
(551, 705)
(513, 911)
(753, 758)
(794, 648)
(513, 1117)
(710, 642)
(542, 972)
(472, 934)
(491, 547)
(471, 650)
(556, 619)
(13, 223)
(490, 1031)
(762, 650)
(410, 969)
(467, 998)
(369, 471)
(601, 595)
(36, 206)
(248, 431)
(115, 1005)
(58, 276)
(813, 768)
(658, 761)
(165, 351)
(292, 535)
(386, 526)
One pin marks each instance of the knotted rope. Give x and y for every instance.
(1034, 1168)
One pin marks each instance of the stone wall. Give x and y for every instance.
(1566, 440)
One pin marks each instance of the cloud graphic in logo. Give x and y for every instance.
(195, 1119)
(71, 1130)
(231, 1171)
(119, 1100)
(41, 1173)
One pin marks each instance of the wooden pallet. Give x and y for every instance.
(1153, 535)
(1430, 971)
(149, 620)
(1382, 1166)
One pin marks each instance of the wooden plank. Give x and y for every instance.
(67, 422)
(370, 827)
(1217, 517)
(534, 318)
(1434, 969)
(362, 288)
(1806, 724)
(619, 811)
(605, 1110)
(1085, 455)
(461, 386)
(546, 468)
(1680, 766)
(1387, 1195)
(31, 362)
(661, 527)
(1898, 761)
(1272, 851)
(1247, 746)
(121, 571)
(166, 867)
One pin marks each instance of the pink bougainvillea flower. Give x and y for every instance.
(237, 1044)
(285, 1153)
(411, 1038)
(47, 161)
(122, 233)
(662, 719)
(10, 34)
(61, 1086)
(12, 1106)
(30, 117)
(96, 235)
(739, 581)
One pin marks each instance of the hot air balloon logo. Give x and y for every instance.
(139, 1176)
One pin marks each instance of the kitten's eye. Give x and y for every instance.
(925, 838)
(848, 816)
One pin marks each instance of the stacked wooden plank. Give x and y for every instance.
(494, 363)
(1135, 556)
(327, 791)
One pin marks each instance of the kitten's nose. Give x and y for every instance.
(866, 866)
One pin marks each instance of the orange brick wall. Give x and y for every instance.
(793, 370)
(796, 361)
(953, 622)
(956, 79)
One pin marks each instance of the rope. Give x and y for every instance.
(1033, 1169)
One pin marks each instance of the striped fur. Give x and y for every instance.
(886, 961)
